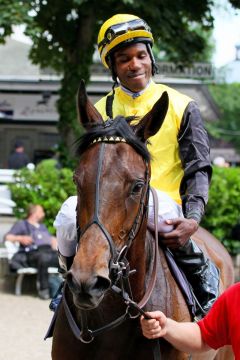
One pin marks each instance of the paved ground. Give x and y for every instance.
(23, 324)
(24, 319)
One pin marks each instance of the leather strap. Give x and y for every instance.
(149, 291)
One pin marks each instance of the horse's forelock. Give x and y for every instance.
(118, 127)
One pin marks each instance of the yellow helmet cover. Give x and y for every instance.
(121, 29)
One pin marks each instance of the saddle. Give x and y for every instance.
(183, 285)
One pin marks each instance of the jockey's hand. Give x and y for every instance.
(156, 327)
(183, 230)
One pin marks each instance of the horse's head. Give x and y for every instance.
(112, 180)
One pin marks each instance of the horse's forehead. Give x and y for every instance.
(118, 152)
(116, 158)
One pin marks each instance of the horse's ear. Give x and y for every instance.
(87, 112)
(153, 120)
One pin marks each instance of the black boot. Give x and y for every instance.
(201, 272)
(65, 262)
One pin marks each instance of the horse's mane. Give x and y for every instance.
(118, 126)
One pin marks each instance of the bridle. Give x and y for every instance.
(119, 267)
(118, 258)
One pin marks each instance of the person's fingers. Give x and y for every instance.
(153, 314)
(175, 221)
(153, 333)
(169, 235)
(150, 324)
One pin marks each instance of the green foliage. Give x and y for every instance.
(227, 97)
(12, 13)
(223, 209)
(46, 185)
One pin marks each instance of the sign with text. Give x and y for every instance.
(193, 71)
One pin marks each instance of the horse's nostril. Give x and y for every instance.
(72, 282)
(102, 283)
(90, 286)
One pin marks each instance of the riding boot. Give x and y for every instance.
(65, 262)
(201, 273)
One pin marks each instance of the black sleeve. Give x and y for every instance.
(195, 156)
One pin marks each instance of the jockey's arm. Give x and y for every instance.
(194, 153)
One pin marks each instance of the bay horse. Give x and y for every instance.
(115, 272)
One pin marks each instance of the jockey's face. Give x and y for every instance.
(133, 66)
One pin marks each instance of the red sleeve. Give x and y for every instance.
(215, 326)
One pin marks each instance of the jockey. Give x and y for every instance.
(180, 166)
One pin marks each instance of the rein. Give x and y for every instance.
(119, 267)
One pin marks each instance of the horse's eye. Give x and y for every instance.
(137, 187)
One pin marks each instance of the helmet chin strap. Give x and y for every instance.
(111, 68)
(154, 65)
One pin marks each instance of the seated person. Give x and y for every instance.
(38, 245)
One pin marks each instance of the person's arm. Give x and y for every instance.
(194, 152)
(184, 336)
(18, 233)
(22, 239)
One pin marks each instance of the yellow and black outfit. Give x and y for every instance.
(178, 162)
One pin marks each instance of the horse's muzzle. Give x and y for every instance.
(87, 293)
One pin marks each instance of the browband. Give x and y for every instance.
(109, 139)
